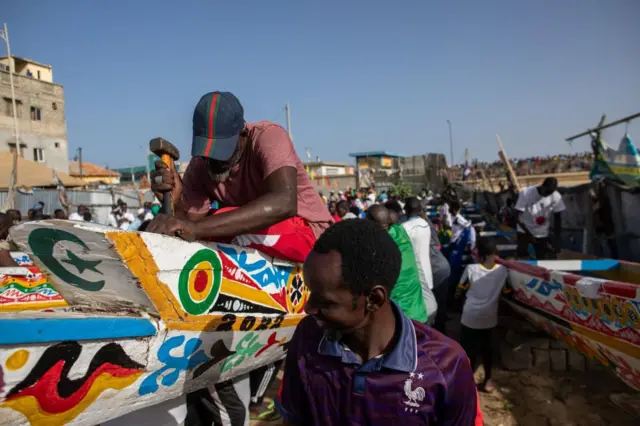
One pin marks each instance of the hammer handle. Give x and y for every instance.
(167, 207)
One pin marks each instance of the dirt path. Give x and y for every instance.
(548, 399)
(536, 398)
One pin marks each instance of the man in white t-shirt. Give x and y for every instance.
(536, 206)
(419, 232)
(79, 215)
(445, 216)
(126, 217)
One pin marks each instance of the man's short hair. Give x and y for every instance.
(413, 206)
(487, 246)
(394, 205)
(550, 183)
(369, 255)
(343, 204)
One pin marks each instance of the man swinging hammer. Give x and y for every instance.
(254, 173)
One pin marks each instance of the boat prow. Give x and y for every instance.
(97, 323)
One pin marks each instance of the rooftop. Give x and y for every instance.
(90, 170)
(375, 154)
(32, 174)
(30, 61)
(327, 163)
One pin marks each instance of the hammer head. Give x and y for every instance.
(160, 147)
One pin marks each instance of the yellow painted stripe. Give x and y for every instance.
(30, 306)
(140, 261)
(233, 288)
(617, 344)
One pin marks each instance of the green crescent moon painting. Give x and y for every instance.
(42, 242)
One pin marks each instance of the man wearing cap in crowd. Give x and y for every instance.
(266, 199)
(253, 171)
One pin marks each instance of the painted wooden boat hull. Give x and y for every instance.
(105, 323)
(596, 316)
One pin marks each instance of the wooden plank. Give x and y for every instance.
(505, 160)
(82, 265)
(603, 126)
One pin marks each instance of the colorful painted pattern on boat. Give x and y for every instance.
(600, 318)
(31, 291)
(147, 318)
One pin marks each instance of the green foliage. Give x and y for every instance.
(401, 190)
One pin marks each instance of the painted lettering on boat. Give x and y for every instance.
(542, 287)
(613, 311)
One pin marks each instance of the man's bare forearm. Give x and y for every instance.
(261, 213)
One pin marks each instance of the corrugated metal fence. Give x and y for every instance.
(98, 201)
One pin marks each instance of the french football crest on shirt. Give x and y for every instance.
(414, 395)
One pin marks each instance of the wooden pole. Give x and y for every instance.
(505, 160)
(12, 201)
(604, 126)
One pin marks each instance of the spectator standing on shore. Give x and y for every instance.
(537, 205)
(483, 283)
(79, 215)
(412, 295)
(357, 359)
(419, 232)
(343, 210)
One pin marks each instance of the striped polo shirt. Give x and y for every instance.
(425, 379)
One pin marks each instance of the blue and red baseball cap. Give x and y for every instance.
(217, 122)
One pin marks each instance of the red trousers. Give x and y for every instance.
(292, 239)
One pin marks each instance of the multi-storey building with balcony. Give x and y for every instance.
(42, 127)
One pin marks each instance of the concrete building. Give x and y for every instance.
(40, 110)
(324, 168)
(376, 168)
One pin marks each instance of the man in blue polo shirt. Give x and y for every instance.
(357, 359)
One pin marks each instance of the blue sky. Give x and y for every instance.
(360, 75)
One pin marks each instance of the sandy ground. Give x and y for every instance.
(539, 398)
(534, 398)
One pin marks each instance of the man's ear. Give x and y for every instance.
(376, 298)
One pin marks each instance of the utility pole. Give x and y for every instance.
(450, 142)
(148, 168)
(13, 180)
(80, 162)
(288, 108)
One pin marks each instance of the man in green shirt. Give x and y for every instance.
(407, 292)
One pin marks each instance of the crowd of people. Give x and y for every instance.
(119, 216)
(373, 348)
(550, 164)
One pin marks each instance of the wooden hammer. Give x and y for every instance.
(168, 154)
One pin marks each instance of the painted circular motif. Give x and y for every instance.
(199, 282)
(297, 292)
